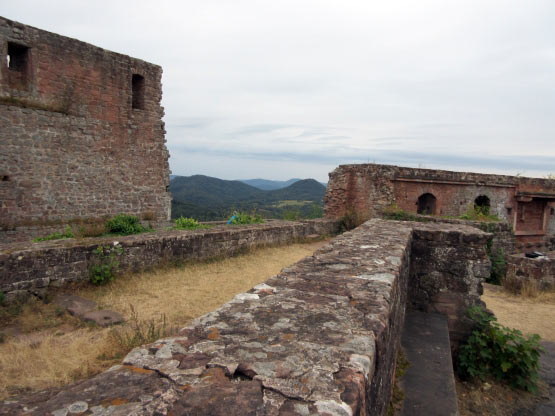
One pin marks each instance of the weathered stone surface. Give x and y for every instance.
(318, 338)
(75, 305)
(103, 317)
(76, 142)
(539, 271)
(25, 267)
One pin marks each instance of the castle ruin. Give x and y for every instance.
(527, 204)
(81, 131)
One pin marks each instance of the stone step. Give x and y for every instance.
(429, 382)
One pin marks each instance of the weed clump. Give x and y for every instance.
(125, 224)
(479, 213)
(139, 332)
(105, 264)
(68, 233)
(183, 223)
(503, 353)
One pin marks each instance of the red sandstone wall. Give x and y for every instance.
(367, 189)
(72, 145)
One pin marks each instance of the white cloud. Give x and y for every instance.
(251, 85)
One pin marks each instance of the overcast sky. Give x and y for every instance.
(281, 89)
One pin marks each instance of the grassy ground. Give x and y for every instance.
(46, 347)
(529, 314)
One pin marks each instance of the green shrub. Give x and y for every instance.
(105, 265)
(2, 299)
(498, 265)
(183, 223)
(240, 218)
(500, 352)
(68, 233)
(124, 224)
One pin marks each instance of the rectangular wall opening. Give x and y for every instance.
(138, 90)
(18, 57)
(17, 62)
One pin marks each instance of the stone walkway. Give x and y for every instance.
(429, 383)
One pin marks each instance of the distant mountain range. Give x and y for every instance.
(207, 198)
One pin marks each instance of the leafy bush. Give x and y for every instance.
(124, 224)
(240, 218)
(500, 352)
(183, 223)
(68, 233)
(105, 266)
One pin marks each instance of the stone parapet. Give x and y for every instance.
(539, 271)
(318, 338)
(30, 268)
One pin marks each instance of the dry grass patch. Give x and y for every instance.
(528, 314)
(44, 359)
(183, 293)
(46, 348)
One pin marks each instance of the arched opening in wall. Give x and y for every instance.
(482, 205)
(426, 204)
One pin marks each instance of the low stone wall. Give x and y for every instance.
(320, 337)
(541, 271)
(446, 273)
(30, 268)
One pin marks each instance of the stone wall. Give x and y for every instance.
(318, 338)
(539, 271)
(447, 269)
(82, 132)
(30, 268)
(527, 204)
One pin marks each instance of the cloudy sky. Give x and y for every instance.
(280, 89)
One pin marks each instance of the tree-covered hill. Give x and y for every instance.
(206, 198)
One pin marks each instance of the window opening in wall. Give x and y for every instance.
(509, 211)
(18, 57)
(482, 205)
(426, 204)
(138, 90)
(5, 178)
(552, 211)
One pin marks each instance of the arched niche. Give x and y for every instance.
(426, 204)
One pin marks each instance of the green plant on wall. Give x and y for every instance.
(183, 223)
(498, 264)
(479, 213)
(105, 264)
(500, 352)
(68, 233)
(124, 224)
